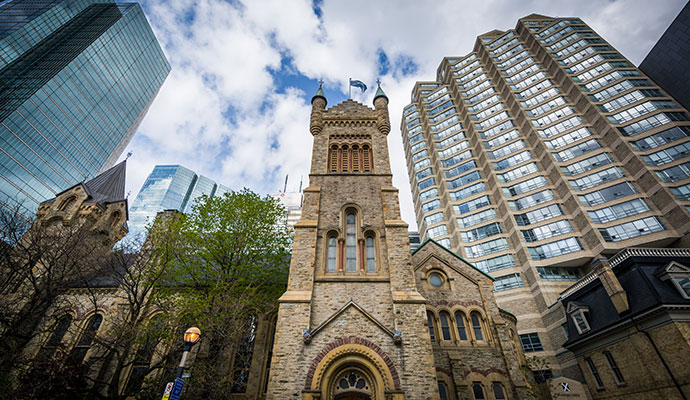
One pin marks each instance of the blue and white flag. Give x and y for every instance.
(358, 84)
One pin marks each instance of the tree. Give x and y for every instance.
(38, 264)
(231, 266)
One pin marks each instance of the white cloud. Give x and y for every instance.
(222, 113)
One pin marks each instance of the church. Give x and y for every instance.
(362, 317)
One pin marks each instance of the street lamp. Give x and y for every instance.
(191, 337)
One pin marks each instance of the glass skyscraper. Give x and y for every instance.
(541, 150)
(76, 79)
(168, 187)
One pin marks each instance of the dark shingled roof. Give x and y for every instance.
(107, 187)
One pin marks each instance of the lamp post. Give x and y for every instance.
(191, 337)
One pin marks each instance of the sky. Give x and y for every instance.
(236, 104)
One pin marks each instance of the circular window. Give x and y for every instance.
(435, 280)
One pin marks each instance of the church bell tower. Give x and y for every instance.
(351, 324)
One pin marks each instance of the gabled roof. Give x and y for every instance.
(454, 254)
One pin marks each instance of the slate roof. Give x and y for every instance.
(107, 187)
(638, 275)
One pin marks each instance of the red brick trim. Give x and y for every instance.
(352, 340)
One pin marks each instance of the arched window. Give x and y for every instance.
(114, 218)
(67, 203)
(445, 325)
(499, 394)
(366, 158)
(355, 158)
(443, 391)
(351, 242)
(55, 340)
(477, 326)
(86, 340)
(371, 254)
(333, 159)
(432, 325)
(345, 159)
(243, 357)
(478, 391)
(332, 252)
(460, 322)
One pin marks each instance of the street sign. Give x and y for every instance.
(177, 389)
(168, 389)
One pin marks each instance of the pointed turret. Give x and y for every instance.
(381, 104)
(109, 186)
(318, 104)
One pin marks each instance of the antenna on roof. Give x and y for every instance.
(285, 186)
(129, 155)
(300, 183)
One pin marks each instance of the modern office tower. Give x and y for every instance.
(76, 79)
(539, 151)
(168, 187)
(668, 63)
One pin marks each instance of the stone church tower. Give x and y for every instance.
(351, 324)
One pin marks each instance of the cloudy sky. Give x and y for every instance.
(236, 105)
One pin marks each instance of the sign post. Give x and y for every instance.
(168, 389)
(177, 389)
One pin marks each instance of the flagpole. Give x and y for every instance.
(349, 88)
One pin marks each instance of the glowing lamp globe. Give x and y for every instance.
(192, 335)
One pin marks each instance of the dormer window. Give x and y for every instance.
(580, 316)
(679, 275)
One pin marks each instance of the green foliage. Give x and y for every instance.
(228, 260)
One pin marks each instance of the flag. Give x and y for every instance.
(358, 84)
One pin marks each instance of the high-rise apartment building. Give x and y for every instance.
(168, 187)
(76, 79)
(543, 149)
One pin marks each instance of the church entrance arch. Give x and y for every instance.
(352, 371)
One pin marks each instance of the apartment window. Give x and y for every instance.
(460, 169)
(607, 194)
(426, 183)
(540, 214)
(424, 173)
(531, 200)
(587, 164)
(560, 127)
(477, 218)
(640, 110)
(652, 122)
(433, 219)
(457, 159)
(593, 370)
(496, 263)
(681, 192)
(597, 178)
(559, 273)
(661, 138)
(530, 342)
(555, 249)
(437, 231)
(568, 139)
(468, 191)
(464, 180)
(518, 173)
(506, 150)
(512, 160)
(614, 368)
(525, 186)
(486, 248)
(506, 282)
(632, 229)
(675, 173)
(424, 196)
(432, 205)
(577, 150)
(547, 231)
(622, 210)
(481, 232)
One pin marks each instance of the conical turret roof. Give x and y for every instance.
(380, 93)
(109, 186)
(319, 93)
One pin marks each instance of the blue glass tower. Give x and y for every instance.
(168, 187)
(76, 79)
